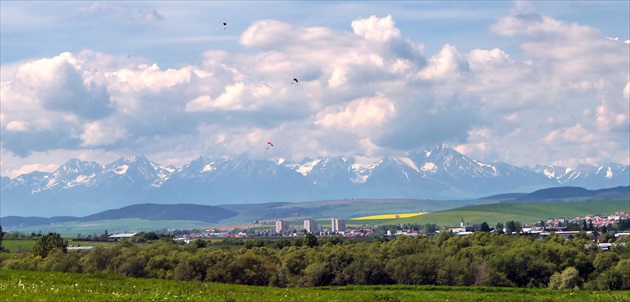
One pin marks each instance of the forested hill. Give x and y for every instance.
(575, 193)
(564, 194)
(210, 214)
(189, 212)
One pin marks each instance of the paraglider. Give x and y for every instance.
(269, 144)
(294, 81)
(224, 25)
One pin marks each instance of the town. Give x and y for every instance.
(601, 228)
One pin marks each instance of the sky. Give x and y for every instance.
(525, 83)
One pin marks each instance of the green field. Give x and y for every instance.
(25, 245)
(44, 286)
(72, 228)
(526, 213)
(18, 245)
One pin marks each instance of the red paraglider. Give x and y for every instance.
(269, 144)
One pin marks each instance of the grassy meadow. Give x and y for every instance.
(72, 228)
(46, 286)
(18, 245)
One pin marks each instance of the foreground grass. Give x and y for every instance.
(45, 286)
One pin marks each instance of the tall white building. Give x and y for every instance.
(282, 226)
(338, 225)
(311, 226)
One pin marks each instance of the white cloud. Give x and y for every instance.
(19, 126)
(122, 13)
(447, 64)
(102, 133)
(30, 168)
(362, 117)
(376, 29)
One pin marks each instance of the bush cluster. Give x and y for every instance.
(483, 259)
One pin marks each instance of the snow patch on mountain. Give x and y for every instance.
(208, 168)
(363, 167)
(121, 169)
(306, 167)
(80, 180)
(549, 173)
(409, 162)
(429, 167)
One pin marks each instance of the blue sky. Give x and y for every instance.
(497, 80)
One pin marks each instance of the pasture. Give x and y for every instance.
(18, 245)
(51, 286)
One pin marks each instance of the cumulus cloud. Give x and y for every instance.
(448, 64)
(101, 133)
(361, 117)
(58, 84)
(376, 29)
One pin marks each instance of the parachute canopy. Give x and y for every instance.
(269, 144)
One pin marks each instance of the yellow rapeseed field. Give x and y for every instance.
(390, 216)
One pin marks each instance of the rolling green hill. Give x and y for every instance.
(524, 212)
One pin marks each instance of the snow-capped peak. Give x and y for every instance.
(306, 167)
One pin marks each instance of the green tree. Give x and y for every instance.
(513, 226)
(484, 227)
(310, 240)
(499, 228)
(604, 261)
(200, 243)
(569, 279)
(281, 243)
(47, 243)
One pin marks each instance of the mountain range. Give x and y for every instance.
(79, 188)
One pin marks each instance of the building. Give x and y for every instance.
(282, 227)
(118, 237)
(337, 225)
(311, 226)
(462, 228)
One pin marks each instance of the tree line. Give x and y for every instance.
(479, 259)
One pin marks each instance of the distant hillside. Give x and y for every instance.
(210, 214)
(17, 221)
(507, 196)
(156, 212)
(575, 194)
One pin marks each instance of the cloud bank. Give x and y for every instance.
(371, 91)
